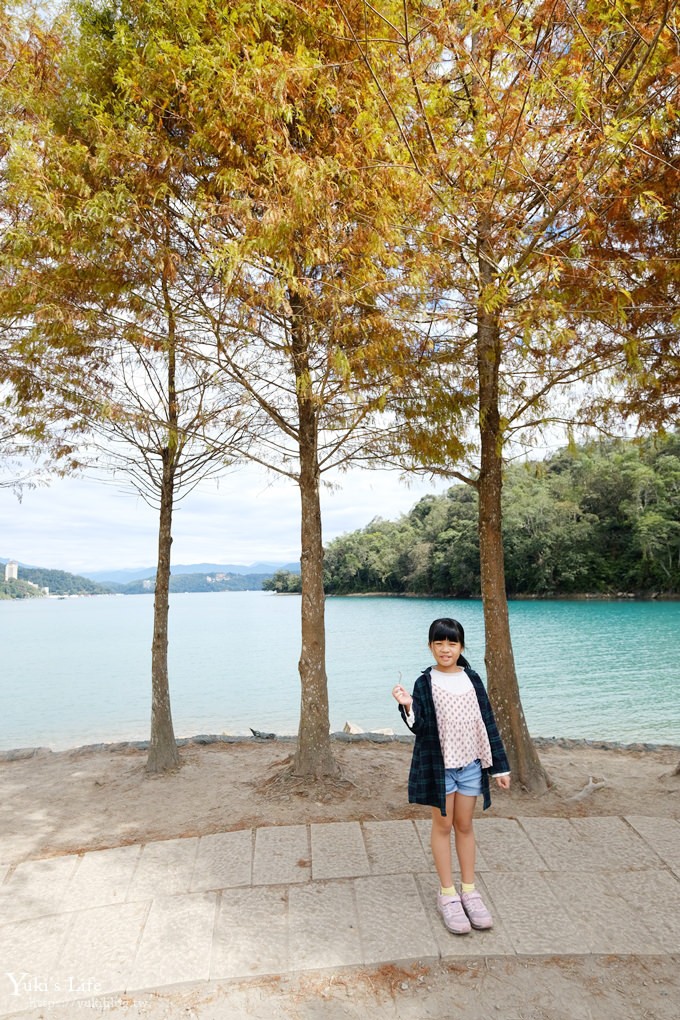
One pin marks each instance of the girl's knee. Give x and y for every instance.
(464, 826)
(442, 823)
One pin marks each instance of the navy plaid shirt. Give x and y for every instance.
(426, 783)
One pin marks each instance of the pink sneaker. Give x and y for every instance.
(473, 905)
(451, 909)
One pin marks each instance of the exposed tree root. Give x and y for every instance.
(286, 783)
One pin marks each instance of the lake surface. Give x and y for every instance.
(77, 671)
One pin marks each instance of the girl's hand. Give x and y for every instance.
(503, 782)
(402, 696)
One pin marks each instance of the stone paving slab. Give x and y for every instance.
(505, 846)
(393, 922)
(165, 868)
(293, 898)
(176, 943)
(323, 925)
(560, 846)
(282, 855)
(600, 903)
(100, 948)
(29, 951)
(101, 878)
(36, 888)
(394, 848)
(656, 901)
(338, 851)
(662, 834)
(589, 844)
(534, 918)
(251, 934)
(223, 860)
(618, 845)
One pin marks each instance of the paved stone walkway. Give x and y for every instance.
(294, 898)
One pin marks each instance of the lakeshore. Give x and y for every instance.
(59, 807)
(87, 798)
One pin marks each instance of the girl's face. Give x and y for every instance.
(446, 654)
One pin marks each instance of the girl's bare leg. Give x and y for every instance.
(463, 810)
(440, 841)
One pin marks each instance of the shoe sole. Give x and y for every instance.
(465, 931)
(479, 927)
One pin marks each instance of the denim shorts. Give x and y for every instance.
(466, 780)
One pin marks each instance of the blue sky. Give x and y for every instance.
(79, 524)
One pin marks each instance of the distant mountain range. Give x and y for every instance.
(128, 574)
(198, 577)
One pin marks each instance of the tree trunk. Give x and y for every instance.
(314, 757)
(163, 753)
(500, 662)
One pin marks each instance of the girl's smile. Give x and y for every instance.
(446, 654)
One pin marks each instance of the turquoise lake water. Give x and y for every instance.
(77, 671)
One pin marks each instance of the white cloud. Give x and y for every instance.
(80, 524)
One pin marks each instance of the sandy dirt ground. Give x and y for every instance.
(56, 803)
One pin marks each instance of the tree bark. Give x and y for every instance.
(313, 757)
(163, 753)
(499, 658)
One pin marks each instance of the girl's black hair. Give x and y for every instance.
(446, 629)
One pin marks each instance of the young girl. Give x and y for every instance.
(457, 746)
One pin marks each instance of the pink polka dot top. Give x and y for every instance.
(462, 733)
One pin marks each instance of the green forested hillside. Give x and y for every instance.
(284, 582)
(198, 582)
(60, 582)
(602, 518)
(17, 589)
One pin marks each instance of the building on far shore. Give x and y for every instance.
(11, 570)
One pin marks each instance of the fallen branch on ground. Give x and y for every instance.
(590, 787)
